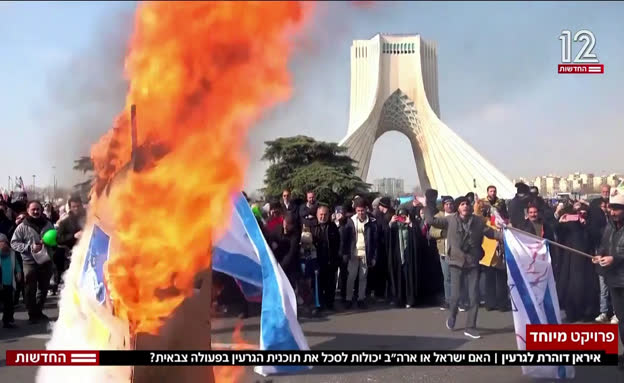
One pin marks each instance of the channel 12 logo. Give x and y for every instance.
(585, 61)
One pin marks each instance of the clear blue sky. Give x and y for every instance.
(61, 72)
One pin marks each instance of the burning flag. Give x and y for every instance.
(200, 74)
(244, 254)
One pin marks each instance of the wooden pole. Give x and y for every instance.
(133, 135)
(550, 242)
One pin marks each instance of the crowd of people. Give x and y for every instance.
(30, 268)
(432, 250)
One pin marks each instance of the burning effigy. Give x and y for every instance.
(200, 74)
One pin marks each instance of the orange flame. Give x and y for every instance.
(200, 74)
(234, 373)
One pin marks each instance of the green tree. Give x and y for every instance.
(301, 163)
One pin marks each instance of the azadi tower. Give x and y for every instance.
(394, 86)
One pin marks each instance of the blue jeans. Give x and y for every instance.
(605, 298)
(447, 278)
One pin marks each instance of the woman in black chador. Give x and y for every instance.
(577, 282)
(401, 261)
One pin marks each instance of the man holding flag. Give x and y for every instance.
(611, 255)
(465, 234)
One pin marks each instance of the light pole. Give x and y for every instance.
(34, 176)
(54, 183)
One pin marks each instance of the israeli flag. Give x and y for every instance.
(533, 294)
(244, 254)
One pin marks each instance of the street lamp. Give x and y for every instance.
(54, 183)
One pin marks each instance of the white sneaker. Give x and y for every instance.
(602, 318)
(614, 320)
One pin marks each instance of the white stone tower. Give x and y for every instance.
(394, 86)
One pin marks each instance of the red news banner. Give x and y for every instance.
(572, 337)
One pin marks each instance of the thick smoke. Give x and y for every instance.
(317, 47)
(85, 94)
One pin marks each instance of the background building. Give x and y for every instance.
(584, 183)
(389, 186)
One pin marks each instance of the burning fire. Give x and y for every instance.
(233, 373)
(200, 74)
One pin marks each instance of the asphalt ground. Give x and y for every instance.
(380, 327)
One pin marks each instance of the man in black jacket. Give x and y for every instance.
(288, 205)
(326, 239)
(611, 255)
(307, 211)
(465, 234)
(596, 217)
(359, 249)
(519, 204)
(70, 228)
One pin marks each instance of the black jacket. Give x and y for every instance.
(527, 226)
(596, 222)
(348, 238)
(6, 225)
(517, 209)
(326, 239)
(613, 244)
(67, 228)
(307, 215)
(285, 248)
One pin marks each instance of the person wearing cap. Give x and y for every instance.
(465, 234)
(448, 204)
(597, 218)
(9, 272)
(610, 255)
(519, 204)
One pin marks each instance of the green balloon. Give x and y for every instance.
(256, 211)
(49, 238)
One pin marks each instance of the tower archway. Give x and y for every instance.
(396, 90)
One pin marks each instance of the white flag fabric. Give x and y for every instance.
(244, 254)
(533, 294)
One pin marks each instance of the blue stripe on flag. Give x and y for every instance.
(523, 290)
(275, 330)
(274, 327)
(551, 315)
(236, 265)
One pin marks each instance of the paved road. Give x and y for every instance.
(378, 328)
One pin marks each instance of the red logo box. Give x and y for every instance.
(572, 337)
(52, 358)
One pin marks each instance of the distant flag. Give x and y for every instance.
(533, 294)
(496, 219)
(244, 254)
